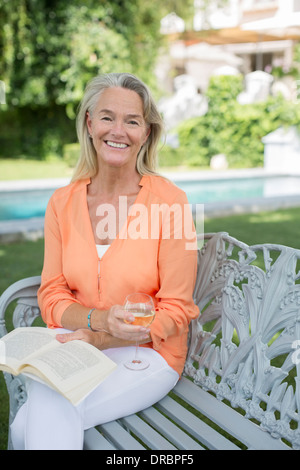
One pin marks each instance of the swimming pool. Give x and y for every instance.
(29, 203)
(24, 204)
(236, 189)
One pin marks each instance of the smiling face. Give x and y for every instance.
(117, 127)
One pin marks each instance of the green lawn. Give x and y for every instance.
(282, 227)
(28, 168)
(19, 260)
(25, 168)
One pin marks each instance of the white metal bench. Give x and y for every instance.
(241, 353)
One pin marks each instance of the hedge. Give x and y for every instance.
(229, 127)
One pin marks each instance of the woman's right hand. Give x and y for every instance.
(117, 322)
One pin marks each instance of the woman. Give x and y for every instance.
(118, 228)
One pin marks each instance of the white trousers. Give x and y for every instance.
(48, 421)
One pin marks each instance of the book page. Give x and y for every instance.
(73, 368)
(21, 343)
(68, 359)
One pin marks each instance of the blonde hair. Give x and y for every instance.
(87, 165)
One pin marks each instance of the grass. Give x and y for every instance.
(26, 168)
(281, 227)
(22, 259)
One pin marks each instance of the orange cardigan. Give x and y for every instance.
(160, 265)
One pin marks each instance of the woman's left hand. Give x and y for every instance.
(100, 339)
(86, 335)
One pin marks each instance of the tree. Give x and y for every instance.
(50, 49)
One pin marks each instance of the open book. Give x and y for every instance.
(73, 369)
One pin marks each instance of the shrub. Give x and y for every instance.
(71, 154)
(36, 132)
(231, 128)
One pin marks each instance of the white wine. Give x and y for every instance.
(142, 317)
(142, 309)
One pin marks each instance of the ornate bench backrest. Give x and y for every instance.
(27, 309)
(243, 346)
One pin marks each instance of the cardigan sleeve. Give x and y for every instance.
(177, 265)
(54, 294)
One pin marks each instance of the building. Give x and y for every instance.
(241, 37)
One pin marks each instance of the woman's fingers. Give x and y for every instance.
(82, 334)
(120, 325)
(129, 333)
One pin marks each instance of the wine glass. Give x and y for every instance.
(141, 306)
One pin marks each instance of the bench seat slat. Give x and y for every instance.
(194, 426)
(227, 418)
(119, 436)
(150, 437)
(174, 434)
(94, 440)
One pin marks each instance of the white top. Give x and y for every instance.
(101, 249)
